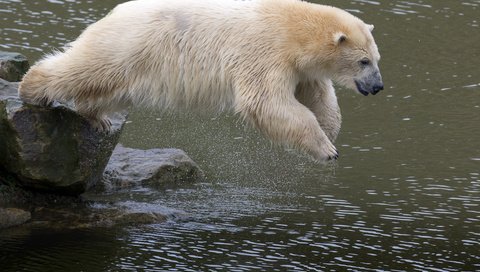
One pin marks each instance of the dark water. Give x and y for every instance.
(404, 196)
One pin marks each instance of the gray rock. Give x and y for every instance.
(13, 66)
(10, 217)
(158, 167)
(52, 148)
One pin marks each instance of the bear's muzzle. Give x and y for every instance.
(371, 84)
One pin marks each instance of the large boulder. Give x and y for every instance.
(130, 167)
(52, 148)
(13, 66)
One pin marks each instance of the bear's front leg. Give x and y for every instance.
(285, 120)
(320, 98)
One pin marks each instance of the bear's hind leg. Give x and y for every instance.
(101, 123)
(34, 87)
(96, 117)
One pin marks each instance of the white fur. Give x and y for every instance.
(250, 56)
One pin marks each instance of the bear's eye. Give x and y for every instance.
(364, 62)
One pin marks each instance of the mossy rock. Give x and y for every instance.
(52, 149)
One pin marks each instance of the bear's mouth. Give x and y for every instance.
(365, 88)
(360, 88)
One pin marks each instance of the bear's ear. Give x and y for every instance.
(371, 27)
(339, 38)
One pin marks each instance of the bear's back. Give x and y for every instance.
(187, 49)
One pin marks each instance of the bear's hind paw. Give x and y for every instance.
(42, 101)
(101, 124)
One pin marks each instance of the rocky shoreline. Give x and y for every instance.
(50, 157)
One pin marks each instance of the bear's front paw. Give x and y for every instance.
(331, 158)
(327, 152)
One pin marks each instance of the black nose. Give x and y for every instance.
(376, 88)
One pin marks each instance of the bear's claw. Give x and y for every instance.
(328, 152)
(334, 157)
(101, 125)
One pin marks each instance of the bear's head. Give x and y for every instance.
(356, 59)
(333, 43)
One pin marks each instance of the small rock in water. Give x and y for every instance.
(84, 217)
(131, 167)
(136, 218)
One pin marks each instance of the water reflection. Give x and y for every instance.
(405, 195)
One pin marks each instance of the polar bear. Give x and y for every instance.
(271, 61)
